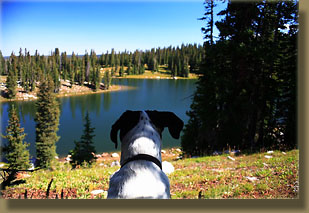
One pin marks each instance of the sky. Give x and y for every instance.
(99, 25)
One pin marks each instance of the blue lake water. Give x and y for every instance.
(105, 108)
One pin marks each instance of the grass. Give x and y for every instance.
(213, 177)
(218, 177)
(162, 73)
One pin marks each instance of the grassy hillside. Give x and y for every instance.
(162, 73)
(215, 177)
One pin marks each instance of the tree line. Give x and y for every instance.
(246, 97)
(47, 122)
(29, 69)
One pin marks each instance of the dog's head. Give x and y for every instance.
(159, 120)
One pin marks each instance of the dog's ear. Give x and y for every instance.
(127, 121)
(167, 119)
(117, 126)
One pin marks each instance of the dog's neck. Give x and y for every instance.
(142, 139)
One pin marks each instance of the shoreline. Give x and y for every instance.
(114, 88)
(156, 77)
(86, 91)
(76, 90)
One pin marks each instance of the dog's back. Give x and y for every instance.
(139, 179)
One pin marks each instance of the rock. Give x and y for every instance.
(252, 179)
(270, 152)
(268, 156)
(115, 163)
(167, 167)
(105, 154)
(98, 191)
(26, 175)
(229, 157)
(163, 151)
(115, 155)
(31, 166)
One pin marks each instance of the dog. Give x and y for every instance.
(141, 175)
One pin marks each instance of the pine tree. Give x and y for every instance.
(82, 73)
(141, 70)
(87, 67)
(47, 121)
(2, 64)
(185, 68)
(16, 149)
(57, 58)
(97, 79)
(106, 59)
(56, 77)
(209, 17)
(246, 96)
(107, 80)
(93, 58)
(11, 81)
(84, 149)
(112, 58)
(121, 71)
(101, 60)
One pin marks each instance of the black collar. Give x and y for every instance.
(143, 157)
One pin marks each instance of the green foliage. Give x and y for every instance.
(121, 71)
(84, 150)
(97, 79)
(2, 64)
(247, 94)
(11, 81)
(16, 149)
(209, 17)
(108, 79)
(47, 121)
(29, 70)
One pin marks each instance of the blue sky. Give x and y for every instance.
(100, 25)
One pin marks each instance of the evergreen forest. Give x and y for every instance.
(246, 97)
(28, 69)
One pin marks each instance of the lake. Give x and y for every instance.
(105, 108)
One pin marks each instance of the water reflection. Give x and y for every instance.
(107, 101)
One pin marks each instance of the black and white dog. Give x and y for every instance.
(141, 175)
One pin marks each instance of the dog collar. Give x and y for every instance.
(143, 157)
